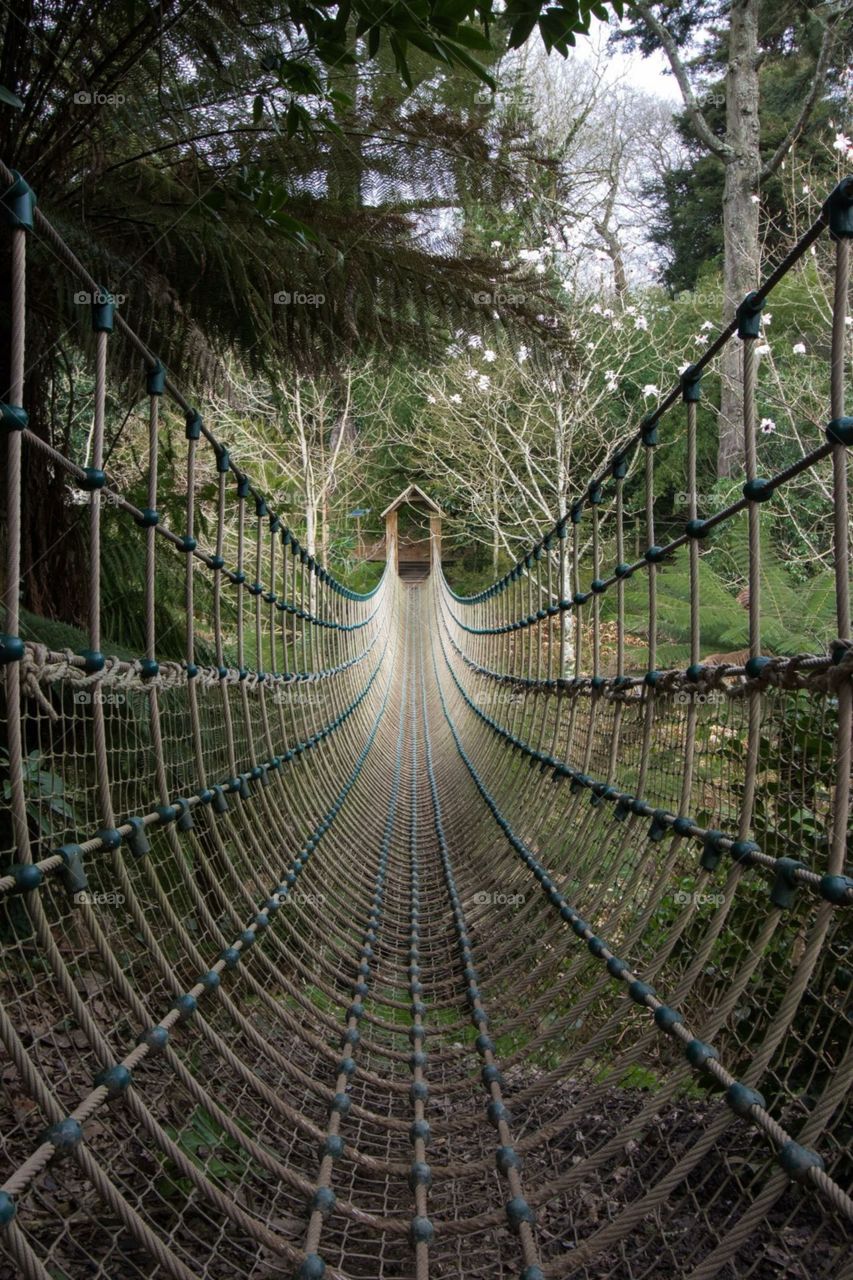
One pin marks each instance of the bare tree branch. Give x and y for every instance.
(701, 128)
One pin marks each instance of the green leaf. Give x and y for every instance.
(10, 99)
(471, 38)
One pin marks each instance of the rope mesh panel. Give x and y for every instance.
(409, 935)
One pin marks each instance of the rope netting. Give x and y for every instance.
(404, 934)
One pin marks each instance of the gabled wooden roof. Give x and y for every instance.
(415, 495)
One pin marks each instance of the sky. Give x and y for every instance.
(649, 74)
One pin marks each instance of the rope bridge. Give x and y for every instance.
(402, 934)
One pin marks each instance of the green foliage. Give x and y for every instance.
(795, 617)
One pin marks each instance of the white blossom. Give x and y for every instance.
(496, 244)
(799, 348)
(523, 353)
(650, 390)
(490, 356)
(842, 143)
(456, 398)
(767, 425)
(706, 325)
(475, 341)
(640, 322)
(430, 399)
(484, 382)
(763, 349)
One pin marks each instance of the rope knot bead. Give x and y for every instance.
(323, 1201)
(532, 1273)
(12, 649)
(420, 1131)
(517, 1212)
(333, 1146)
(699, 1054)
(342, 1104)
(507, 1158)
(27, 876)
(8, 1209)
(420, 1175)
(186, 1006)
(667, 1018)
(116, 1080)
(421, 1230)
(312, 1267)
(65, 1137)
(156, 1038)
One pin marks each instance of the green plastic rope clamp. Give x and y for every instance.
(741, 1099)
(155, 379)
(13, 417)
(691, 385)
(19, 203)
(148, 518)
(194, 425)
(839, 210)
(261, 508)
(785, 883)
(242, 486)
(758, 490)
(73, 875)
(185, 821)
(711, 852)
(12, 649)
(661, 821)
(137, 842)
(649, 432)
(699, 1054)
(840, 431)
(116, 1080)
(103, 311)
(27, 876)
(65, 1137)
(595, 494)
(8, 1209)
(697, 529)
(92, 479)
(619, 466)
(837, 890)
(743, 850)
(748, 316)
(93, 661)
(797, 1161)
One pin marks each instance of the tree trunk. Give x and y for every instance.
(740, 218)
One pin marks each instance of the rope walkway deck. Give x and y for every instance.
(407, 939)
